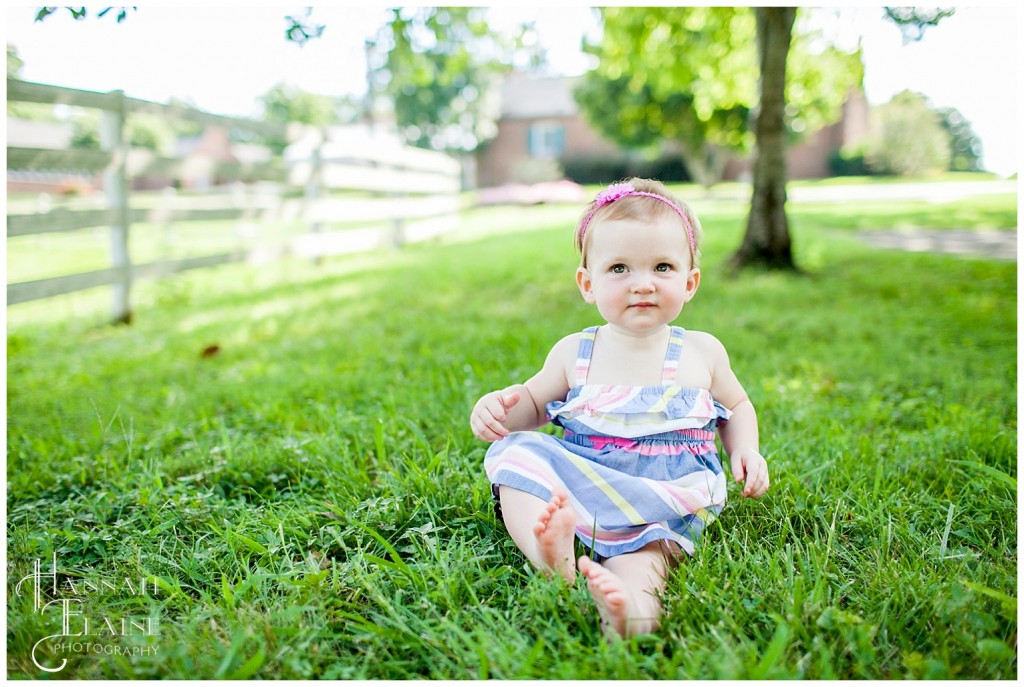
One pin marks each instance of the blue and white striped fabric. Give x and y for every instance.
(639, 462)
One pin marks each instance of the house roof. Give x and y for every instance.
(524, 97)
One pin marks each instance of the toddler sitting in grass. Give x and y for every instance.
(636, 476)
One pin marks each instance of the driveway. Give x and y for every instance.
(999, 244)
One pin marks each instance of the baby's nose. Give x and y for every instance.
(643, 282)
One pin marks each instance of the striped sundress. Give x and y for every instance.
(639, 462)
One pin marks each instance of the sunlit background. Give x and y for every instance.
(223, 58)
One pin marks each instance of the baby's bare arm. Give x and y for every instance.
(740, 436)
(740, 432)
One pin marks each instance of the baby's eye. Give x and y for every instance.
(617, 269)
(663, 267)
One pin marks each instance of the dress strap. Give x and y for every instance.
(586, 350)
(675, 349)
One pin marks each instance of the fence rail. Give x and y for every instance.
(382, 182)
(117, 101)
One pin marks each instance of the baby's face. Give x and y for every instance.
(639, 273)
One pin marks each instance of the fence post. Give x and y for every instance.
(115, 185)
(397, 227)
(313, 189)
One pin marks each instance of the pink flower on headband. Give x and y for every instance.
(612, 194)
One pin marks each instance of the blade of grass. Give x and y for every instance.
(945, 533)
(989, 471)
(773, 653)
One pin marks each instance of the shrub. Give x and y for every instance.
(601, 169)
(848, 162)
(907, 138)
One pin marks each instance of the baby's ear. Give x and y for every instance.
(692, 282)
(583, 281)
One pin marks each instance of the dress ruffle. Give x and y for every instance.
(636, 411)
(639, 462)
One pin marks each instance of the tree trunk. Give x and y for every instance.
(766, 242)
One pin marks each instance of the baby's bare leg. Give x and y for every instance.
(543, 530)
(625, 589)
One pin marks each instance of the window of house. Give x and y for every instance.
(546, 140)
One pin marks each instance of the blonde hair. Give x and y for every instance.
(641, 206)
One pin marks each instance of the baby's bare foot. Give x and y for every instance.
(555, 531)
(609, 594)
(620, 615)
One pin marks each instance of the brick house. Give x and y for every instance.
(540, 126)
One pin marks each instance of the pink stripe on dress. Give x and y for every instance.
(647, 449)
(545, 477)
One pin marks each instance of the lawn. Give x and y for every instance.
(281, 456)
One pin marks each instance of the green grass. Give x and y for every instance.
(312, 502)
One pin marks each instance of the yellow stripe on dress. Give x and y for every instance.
(662, 403)
(602, 484)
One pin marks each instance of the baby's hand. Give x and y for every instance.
(490, 412)
(750, 465)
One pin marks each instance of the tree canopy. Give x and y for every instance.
(914, 21)
(441, 67)
(14, 62)
(690, 75)
(965, 146)
(286, 103)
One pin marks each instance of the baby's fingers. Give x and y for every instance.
(497, 429)
(487, 432)
(494, 405)
(757, 479)
(736, 465)
(486, 427)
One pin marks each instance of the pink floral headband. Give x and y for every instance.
(616, 191)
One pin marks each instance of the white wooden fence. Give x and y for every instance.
(399, 184)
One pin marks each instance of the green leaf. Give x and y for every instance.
(247, 669)
(773, 653)
(1009, 603)
(989, 471)
(246, 542)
